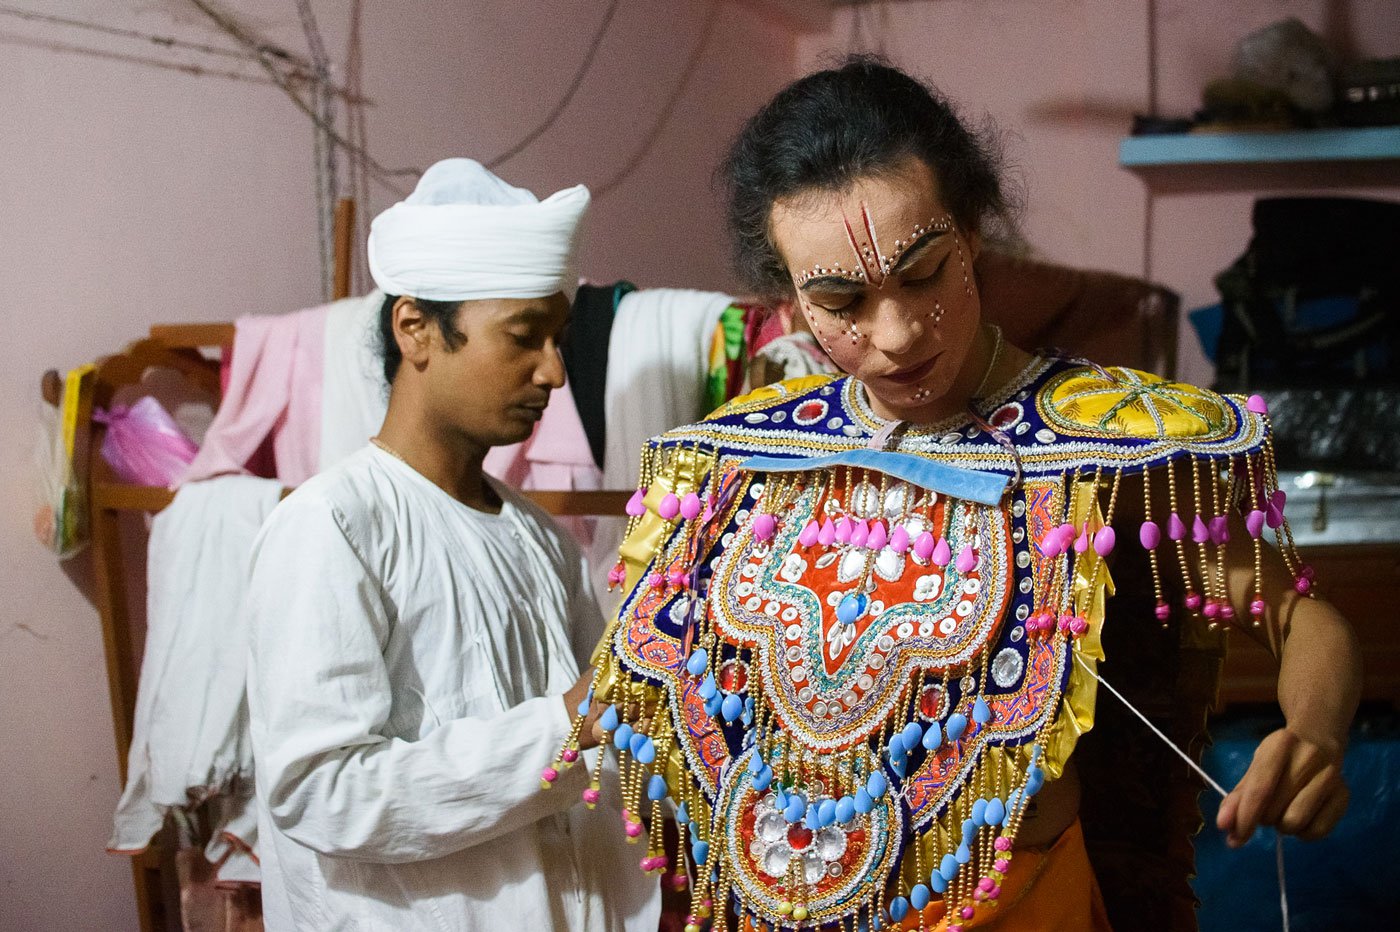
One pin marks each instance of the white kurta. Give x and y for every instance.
(407, 662)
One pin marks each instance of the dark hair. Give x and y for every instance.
(830, 128)
(444, 312)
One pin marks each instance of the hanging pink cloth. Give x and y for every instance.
(272, 389)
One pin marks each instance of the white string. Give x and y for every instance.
(1211, 781)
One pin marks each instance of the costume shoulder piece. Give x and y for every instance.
(850, 652)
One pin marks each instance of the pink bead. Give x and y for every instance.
(1227, 611)
(549, 774)
(1199, 532)
(1050, 543)
(616, 577)
(899, 540)
(763, 527)
(995, 892)
(843, 530)
(1104, 540)
(967, 912)
(1307, 572)
(1150, 535)
(1302, 584)
(1219, 530)
(646, 864)
(1002, 843)
(860, 533)
(1081, 542)
(1078, 627)
(827, 535)
(1212, 609)
(1066, 620)
(923, 546)
(670, 506)
(967, 560)
(591, 796)
(1254, 523)
(1001, 865)
(676, 578)
(569, 755)
(985, 884)
(636, 507)
(690, 507)
(942, 553)
(1164, 611)
(633, 829)
(1176, 528)
(1255, 404)
(809, 533)
(679, 882)
(656, 580)
(1256, 608)
(1193, 601)
(878, 536)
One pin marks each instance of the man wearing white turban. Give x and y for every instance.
(418, 629)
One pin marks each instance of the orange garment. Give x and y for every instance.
(1045, 890)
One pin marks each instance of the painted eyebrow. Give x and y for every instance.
(918, 250)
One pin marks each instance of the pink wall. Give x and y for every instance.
(132, 195)
(1062, 79)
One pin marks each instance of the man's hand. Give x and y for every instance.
(1293, 783)
(590, 734)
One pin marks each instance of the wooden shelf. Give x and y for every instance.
(1316, 145)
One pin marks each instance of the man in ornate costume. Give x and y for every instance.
(864, 617)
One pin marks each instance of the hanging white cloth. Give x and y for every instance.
(189, 736)
(407, 664)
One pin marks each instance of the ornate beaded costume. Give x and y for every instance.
(851, 668)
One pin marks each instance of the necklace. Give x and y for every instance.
(388, 449)
(991, 366)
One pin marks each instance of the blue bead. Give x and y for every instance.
(713, 704)
(957, 724)
(937, 882)
(646, 753)
(913, 733)
(864, 802)
(899, 908)
(622, 738)
(1013, 799)
(948, 867)
(981, 712)
(877, 784)
(933, 737)
(700, 851)
(763, 778)
(682, 814)
(851, 607)
(697, 662)
(656, 787)
(780, 798)
(733, 706)
(979, 812)
(969, 829)
(609, 719)
(587, 701)
(845, 809)
(635, 745)
(755, 762)
(963, 854)
(813, 818)
(1035, 779)
(900, 766)
(708, 687)
(996, 811)
(896, 746)
(826, 812)
(795, 810)
(919, 896)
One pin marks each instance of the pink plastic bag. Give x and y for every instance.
(143, 443)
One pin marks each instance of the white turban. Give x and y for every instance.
(464, 234)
